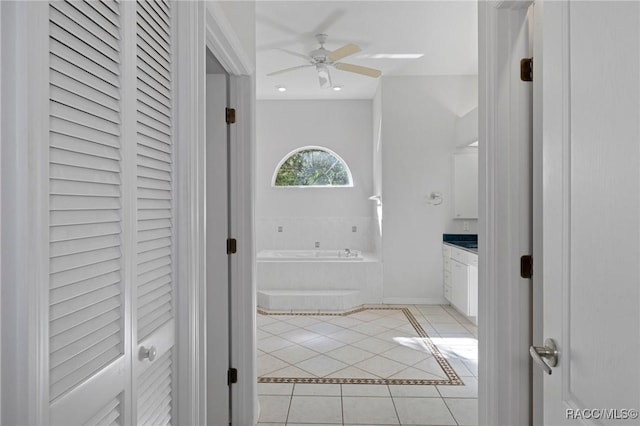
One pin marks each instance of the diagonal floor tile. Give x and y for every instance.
(380, 366)
(349, 354)
(321, 365)
(293, 354)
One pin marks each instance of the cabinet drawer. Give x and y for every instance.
(447, 278)
(459, 255)
(446, 250)
(447, 292)
(447, 263)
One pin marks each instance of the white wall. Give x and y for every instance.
(314, 214)
(242, 19)
(376, 205)
(418, 140)
(467, 128)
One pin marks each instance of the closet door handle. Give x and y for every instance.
(149, 353)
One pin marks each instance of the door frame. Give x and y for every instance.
(204, 26)
(505, 231)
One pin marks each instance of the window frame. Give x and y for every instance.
(308, 148)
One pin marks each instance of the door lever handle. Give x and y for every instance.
(545, 356)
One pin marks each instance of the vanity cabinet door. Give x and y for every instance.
(460, 286)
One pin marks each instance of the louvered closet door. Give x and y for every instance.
(111, 287)
(88, 363)
(154, 286)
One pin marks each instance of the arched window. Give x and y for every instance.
(312, 166)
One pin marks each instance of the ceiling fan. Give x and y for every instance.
(322, 59)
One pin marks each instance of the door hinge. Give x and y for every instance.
(526, 69)
(526, 266)
(230, 115)
(232, 245)
(232, 376)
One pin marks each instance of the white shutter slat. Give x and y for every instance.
(105, 46)
(83, 217)
(83, 372)
(74, 348)
(155, 320)
(79, 231)
(159, 80)
(77, 101)
(75, 246)
(154, 295)
(98, 148)
(79, 117)
(153, 48)
(145, 151)
(111, 5)
(145, 204)
(81, 189)
(153, 244)
(153, 285)
(157, 64)
(158, 253)
(77, 304)
(153, 275)
(67, 367)
(92, 13)
(144, 182)
(152, 103)
(70, 291)
(109, 414)
(154, 119)
(153, 173)
(161, 11)
(155, 29)
(61, 202)
(78, 86)
(154, 391)
(85, 284)
(153, 133)
(70, 63)
(79, 174)
(162, 98)
(145, 140)
(72, 327)
(77, 275)
(105, 59)
(149, 214)
(79, 159)
(78, 131)
(98, 29)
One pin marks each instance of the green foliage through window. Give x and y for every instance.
(313, 167)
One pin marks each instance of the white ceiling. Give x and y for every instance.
(446, 32)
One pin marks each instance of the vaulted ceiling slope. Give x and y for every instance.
(445, 32)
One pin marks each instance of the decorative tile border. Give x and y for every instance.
(452, 376)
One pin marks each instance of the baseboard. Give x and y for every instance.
(415, 301)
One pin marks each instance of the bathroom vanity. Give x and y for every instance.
(460, 272)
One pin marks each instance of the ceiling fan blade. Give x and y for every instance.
(288, 69)
(370, 72)
(344, 51)
(300, 55)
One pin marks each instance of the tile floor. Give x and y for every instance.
(378, 344)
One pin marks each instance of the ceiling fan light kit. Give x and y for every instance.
(322, 59)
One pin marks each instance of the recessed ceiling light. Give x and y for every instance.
(393, 55)
(281, 88)
(337, 88)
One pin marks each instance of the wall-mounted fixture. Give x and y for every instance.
(434, 199)
(337, 88)
(281, 88)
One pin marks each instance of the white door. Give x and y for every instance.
(591, 210)
(217, 257)
(110, 213)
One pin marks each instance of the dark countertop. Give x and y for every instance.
(467, 242)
